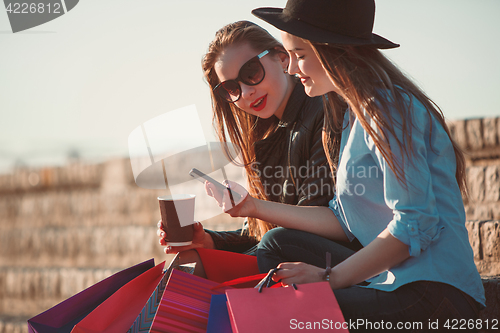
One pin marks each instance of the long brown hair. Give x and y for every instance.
(363, 75)
(230, 122)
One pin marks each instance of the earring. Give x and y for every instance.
(285, 71)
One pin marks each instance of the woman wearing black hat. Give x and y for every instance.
(399, 178)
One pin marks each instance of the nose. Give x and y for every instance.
(247, 91)
(293, 66)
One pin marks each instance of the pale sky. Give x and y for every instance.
(87, 79)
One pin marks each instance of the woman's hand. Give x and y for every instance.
(243, 207)
(200, 239)
(383, 253)
(298, 272)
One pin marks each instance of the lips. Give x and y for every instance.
(304, 79)
(259, 103)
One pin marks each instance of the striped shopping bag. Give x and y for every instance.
(144, 320)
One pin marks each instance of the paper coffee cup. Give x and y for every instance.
(177, 216)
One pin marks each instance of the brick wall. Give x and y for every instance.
(480, 138)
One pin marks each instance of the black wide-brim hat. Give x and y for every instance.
(344, 22)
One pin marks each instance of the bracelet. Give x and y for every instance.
(326, 276)
(328, 269)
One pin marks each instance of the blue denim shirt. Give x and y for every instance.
(426, 211)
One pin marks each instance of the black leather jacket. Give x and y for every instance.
(295, 171)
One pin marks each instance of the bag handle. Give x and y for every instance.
(240, 280)
(267, 280)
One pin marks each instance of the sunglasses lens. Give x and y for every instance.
(252, 72)
(230, 90)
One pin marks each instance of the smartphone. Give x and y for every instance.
(197, 174)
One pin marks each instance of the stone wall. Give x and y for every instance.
(484, 192)
(63, 229)
(484, 237)
(478, 137)
(480, 140)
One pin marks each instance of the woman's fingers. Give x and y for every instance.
(235, 187)
(177, 249)
(285, 271)
(234, 195)
(212, 191)
(227, 199)
(161, 233)
(297, 272)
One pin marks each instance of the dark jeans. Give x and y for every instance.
(417, 306)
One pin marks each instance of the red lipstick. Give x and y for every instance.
(259, 103)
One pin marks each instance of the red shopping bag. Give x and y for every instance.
(65, 315)
(221, 266)
(119, 311)
(312, 307)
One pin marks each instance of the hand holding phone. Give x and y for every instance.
(197, 174)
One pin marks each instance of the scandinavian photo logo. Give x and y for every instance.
(26, 14)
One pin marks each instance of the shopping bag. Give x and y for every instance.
(185, 303)
(118, 312)
(218, 317)
(144, 320)
(64, 316)
(221, 266)
(312, 307)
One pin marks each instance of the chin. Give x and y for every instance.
(311, 92)
(264, 115)
(315, 90)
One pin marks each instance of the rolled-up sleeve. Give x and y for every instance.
(335, 208)
(415, 216)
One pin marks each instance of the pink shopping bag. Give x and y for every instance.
(311, 307)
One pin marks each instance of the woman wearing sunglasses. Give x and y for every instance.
(399, 178)
(265, 111)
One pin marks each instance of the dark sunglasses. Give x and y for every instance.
(251, 73)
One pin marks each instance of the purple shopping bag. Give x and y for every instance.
(65, 315)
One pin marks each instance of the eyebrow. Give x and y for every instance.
(296, 49)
